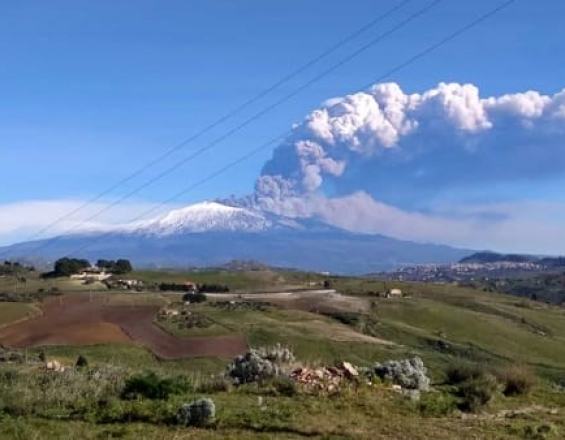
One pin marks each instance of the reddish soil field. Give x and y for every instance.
(87, 320)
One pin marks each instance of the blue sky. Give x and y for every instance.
(92, 90)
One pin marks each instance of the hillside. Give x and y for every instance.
(493, 257)
(445, 325)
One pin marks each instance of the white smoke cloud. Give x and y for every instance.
(384, 144)
(450, 119)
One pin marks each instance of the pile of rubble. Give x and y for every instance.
(326, 379)
(54, 366)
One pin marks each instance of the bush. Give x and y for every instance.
(477, 392)
(461, 372)
(517, 380)
(193, 298)
(437, 404)
(215, 384)
(81, 362)
(151, 386)
(283, 386)
(541, 432)
(201, 412)
(260, 364)
(408, 373)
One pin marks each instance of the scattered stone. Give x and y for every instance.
(327, 379)
(349, 369)
(201, 412)
(55, 366)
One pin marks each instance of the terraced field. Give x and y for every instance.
(80, 319)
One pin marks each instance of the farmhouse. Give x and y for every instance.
(92, 273)
(393, 293)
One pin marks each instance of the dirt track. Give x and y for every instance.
(85, 320)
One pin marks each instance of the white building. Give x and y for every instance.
(92, 274)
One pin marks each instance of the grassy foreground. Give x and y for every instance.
(444, 324)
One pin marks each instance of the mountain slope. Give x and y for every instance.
(205, 217)
(212, 233)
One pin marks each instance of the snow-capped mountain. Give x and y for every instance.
(205, 217)
(213, 233)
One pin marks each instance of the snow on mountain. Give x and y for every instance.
(212, 233)
(206, 217)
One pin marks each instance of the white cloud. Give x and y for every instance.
(22, 220)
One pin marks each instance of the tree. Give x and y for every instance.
(69, 266)
(196, 297)
(123, 266)
(103, 264)
(81, 362)
(118, 267)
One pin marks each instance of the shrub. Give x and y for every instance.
(477, 392)
(283, 386)
(437, 404)
(408, 373)
(347, 318)
(151, 386)
(201, 412)
(541, 432)
(260, 364)
(81, 362)
(215, 384)
(196, 297)
(517, 380)
(461, 372)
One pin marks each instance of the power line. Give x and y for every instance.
(384, 76)
(251, 119)
(225, 117)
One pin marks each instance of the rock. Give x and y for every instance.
(201, 412)
(349, 369)
(55, 366)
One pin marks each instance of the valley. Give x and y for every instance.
(324, 320)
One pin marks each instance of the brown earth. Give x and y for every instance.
(90, 319)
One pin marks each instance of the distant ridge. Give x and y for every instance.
(493, 257)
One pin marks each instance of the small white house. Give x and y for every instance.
(393, 293)
(92, 274)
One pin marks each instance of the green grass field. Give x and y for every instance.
(12, 312)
